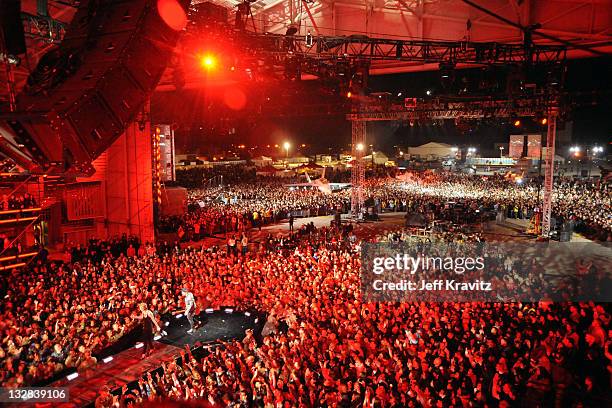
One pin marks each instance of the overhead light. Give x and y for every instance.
(72, 376)
(107, 359)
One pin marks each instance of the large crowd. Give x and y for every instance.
(330, 347)
(336, 349)
(458, 197)
(243, 206)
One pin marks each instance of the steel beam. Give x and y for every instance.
(384, 49)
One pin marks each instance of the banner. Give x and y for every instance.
(516, 146)
(534, 146)
(84, 201)
(166, 153)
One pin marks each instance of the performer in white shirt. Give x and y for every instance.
(189, 307)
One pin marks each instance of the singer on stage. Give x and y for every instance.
(148, 321)
(189, 307)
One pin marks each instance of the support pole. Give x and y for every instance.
(312, 20)
(358, 169)
(549, 172)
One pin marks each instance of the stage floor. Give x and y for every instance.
(127, 366)
(220, 325)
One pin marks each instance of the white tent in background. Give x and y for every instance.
(431, 151)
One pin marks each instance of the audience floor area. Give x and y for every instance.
(128, 365)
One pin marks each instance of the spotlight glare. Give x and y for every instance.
(208, 61)
(544, 121)
(517, 123)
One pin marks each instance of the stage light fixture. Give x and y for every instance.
(291, 30)
(544, 121)
(517, 123)
(172, 13)
(349, 94)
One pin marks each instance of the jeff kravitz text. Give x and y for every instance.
(431, 286)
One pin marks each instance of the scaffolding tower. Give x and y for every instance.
(358, 169)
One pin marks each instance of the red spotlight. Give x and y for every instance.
(172, 13)
(517, 123)
(208, 61)
(544, 121)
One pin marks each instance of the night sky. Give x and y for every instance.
(202, 125)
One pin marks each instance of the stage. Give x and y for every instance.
(126, 366)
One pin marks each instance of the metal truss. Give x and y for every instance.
(381, 49)
(358, 169)
(450, 109)
(549, 172)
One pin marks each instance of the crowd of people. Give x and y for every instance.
(443, 196)
(331, 347)
(341, 351)
(17, 201)
(239, 207)
(336, 350)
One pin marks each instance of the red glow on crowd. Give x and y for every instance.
(172, 13)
